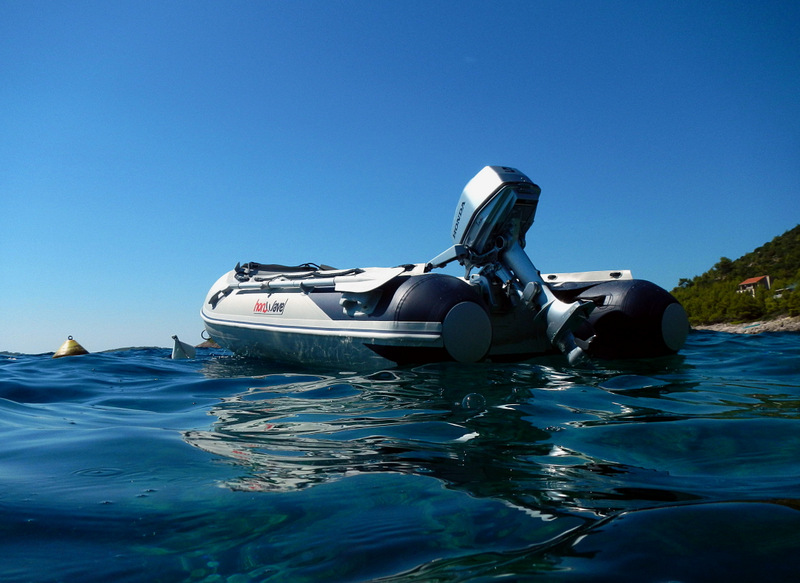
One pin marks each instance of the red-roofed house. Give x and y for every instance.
(749, 285)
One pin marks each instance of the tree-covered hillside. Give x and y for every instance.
(712, 297)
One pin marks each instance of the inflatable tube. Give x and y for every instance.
(466, 327)
(632, 319)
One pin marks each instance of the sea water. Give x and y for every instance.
(129, 466)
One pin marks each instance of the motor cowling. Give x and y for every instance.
(632, 319)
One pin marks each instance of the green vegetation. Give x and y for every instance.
(711, 298)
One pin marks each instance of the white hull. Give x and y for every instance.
(352, 321)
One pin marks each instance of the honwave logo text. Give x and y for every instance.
(458, 218)
(274, 307)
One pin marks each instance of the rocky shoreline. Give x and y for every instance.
(208, 344)
(786, 324)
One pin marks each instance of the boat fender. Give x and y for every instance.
(70, 348)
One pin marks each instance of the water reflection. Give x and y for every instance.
(591, 441)
(291, 432)
(583, 449)
(480, 428)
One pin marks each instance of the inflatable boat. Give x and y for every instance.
(502, 309)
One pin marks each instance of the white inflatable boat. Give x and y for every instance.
(503, 309)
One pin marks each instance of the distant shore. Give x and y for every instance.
(785, 324)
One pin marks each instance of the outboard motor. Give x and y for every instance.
(495, 211)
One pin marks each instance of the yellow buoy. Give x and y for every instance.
(70, 348)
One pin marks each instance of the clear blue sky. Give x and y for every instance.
(149, 146)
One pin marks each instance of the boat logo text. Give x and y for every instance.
(275, 307)
(458, 218)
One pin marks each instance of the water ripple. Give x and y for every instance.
(227, 469)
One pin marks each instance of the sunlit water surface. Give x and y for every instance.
(128, 466)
